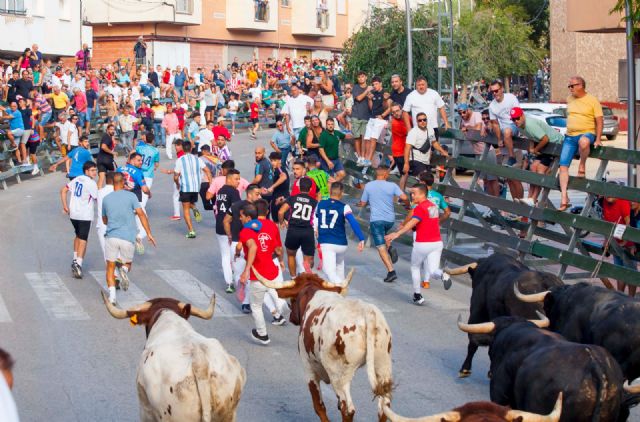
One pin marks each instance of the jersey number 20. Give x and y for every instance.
(302, 211)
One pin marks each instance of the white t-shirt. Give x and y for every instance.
(255, 93)
(417, 137)
(144, 78)
(427, 103)
(84, 193)
(205, 137)
(501, 111)
(296, 108)
(233, 106)
(106, 190)
(64, 132)
(73, 130)
(115, 91)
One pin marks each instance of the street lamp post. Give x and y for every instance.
(409, 44)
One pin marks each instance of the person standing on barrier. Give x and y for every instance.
(424, 100)
(584, 128)
(381, 196)
(398, 142)
(428, 242)
(417, 151)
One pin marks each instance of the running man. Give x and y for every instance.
(101, 228)
(330, 226)
(107, 154)
(75, 159)
(150, 162)
(300, 232)
(135, 182)
(225, 198)
(119, 209)
(81, 209)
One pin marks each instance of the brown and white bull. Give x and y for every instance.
(182, 375)
(337, 336)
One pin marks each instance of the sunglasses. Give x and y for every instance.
(486, 119)
(421, 120)
(495, 91)
(515, 119)
(572, 85)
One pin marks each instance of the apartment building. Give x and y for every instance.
(203, 32)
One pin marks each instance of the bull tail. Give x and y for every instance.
(378, 357)
(601, 385)
(203, 384)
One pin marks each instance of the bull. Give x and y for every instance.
(182, 375)
(337, 336)
(492, 281)
(531, 366)
(591, 314)
(482, 412)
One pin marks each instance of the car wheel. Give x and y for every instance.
(611, 137)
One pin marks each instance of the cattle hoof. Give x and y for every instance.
(464, 373)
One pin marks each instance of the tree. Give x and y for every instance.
(634, 9)
(532, 12)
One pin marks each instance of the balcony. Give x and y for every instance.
(178, 12)
(318, 21)
(252, 15)
(593, 16)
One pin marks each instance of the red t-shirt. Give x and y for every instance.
(254, 111)
(428, 228)
(295, 190)
(180, 113)
(166, 77)
(398, 137)
(267, 240)
(616, 213)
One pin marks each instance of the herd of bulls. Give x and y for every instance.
(558, 352)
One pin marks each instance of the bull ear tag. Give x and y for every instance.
(133, 320)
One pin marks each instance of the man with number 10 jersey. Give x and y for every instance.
(300, 209)
(226, 196)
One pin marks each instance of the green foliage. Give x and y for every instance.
(634, 8)
(533, 12)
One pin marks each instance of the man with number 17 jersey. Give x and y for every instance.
(226, 196)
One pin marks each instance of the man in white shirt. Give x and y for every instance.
(81, 210)
(233, 105)
(499, 112)
(205, 136)
(424, 100)
(415, 161)
(295, 109)
(115, 90)
(64, 129)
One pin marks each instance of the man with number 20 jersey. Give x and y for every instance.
(225, 197)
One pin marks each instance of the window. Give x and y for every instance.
(341, 7)
(261, 9)
(184, 6)
(322, 15)
(13, 7)
(285, 3)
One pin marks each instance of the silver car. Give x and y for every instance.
(611, 126)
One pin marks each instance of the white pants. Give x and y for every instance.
(299, 262)
(176, 200)
(145, 197)
(102, 230)
(237, 266)
(169, 145)
(333, 262)
(225, 257)
(203, 107)
(257, 297)
(429, 251)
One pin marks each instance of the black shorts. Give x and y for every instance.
(209, 109)
(254, 120)
(545, 159)
(33, 147)
(416, 167)
(105, 166)
(399, 163)
(301, 238)
(191, 197)
(82, 228)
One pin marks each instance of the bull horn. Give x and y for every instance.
(205, 313)
(113, 309)
(542, 321)
(529, 298)
(482, 328)
(631, 389)
(346, 282)
(272, 284)
(394, 417)
(554, 416)
(461, 270)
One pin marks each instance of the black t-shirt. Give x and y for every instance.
(400, 98)
(301, 211)
(12, 90)
(263, 167)
(377, 107)
(225, 198)
(283, 189)
(26, 118)
(236, 224)
(92, 97)
(23, 87)
(103, 156)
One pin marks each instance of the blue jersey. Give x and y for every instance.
(331, 216)
(78, 156)
(150, 156)
(133, 179)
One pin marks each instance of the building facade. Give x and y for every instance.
(56, 26)
(200, 33)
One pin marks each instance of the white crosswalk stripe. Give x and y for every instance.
(133, 296)
(357, 294)
(4, 312)
(56, 297)
(198, 293)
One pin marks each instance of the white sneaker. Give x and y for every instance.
(124, 278)
(35, 170)
(528, 201)
(112, 299)
(359, 162)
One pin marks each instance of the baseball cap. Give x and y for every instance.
(220, 119)
(463, 107)
(516, 112)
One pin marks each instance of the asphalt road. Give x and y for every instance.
(74, 362)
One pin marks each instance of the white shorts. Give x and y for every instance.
(115, 248)
(374, 128)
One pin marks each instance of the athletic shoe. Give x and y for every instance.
(360, 162)
(76, 269)
(139, 247)
(418, 299)
(511, 162)
(174, 218)
(528, 201)
(260, 339)
(426, 285)
(35, 170)
(278, 321)
(446, 281)
(391, 276)
(196, 215)
(230, 288)
(112, 300)
(393, 254)
(246, 309)
(191, 235)
(124, 278)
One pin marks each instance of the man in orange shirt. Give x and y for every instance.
(398, 141)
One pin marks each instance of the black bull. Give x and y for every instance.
(594, 315)
(492, 280)
(530, 366)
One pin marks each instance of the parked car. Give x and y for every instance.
(556, 121)
(611, 126)
(554, 108)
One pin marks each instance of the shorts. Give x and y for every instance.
(32, 147)
(233, 116)
(26, 134)
(337, 166)
(374, 128)
(254, 120)
(399, 162)
(17, 133)
(512, 126)
(570, 147)
(82, 228)
(417, 167)
(209, 109)
(191, 197)
(301, 238)
(378, 229)
(545, 159)
(105, 166)
(115, 248)
(358, 127)
(45, 117)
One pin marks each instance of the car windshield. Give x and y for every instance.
(560, 111)
(557, 121)
(607, 111)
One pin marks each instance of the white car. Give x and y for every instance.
(556, 121)
(552, 108)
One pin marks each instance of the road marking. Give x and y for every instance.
(132, 297)
(4, 312)
(56, 297)
(198, 293)
(357, 294)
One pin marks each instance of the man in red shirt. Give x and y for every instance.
(618, 211)
(220, 129)
(398, 142)
(427, 244)
(259, 241)
(299, 172)
(254, 107)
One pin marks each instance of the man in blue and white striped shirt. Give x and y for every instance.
(187, 178)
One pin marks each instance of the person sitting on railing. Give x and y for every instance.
(474, 120)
